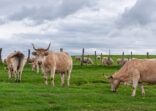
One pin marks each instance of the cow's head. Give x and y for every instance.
(114, 83)
(40, 53)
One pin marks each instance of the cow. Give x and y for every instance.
(15, 63)
(54, 62)
(107, 61)
(121, 61)
(35, 65)
(87, 60)
(135, 72)
(78, 58)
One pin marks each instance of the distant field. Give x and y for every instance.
(89, 91)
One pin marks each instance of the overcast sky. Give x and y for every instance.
(119, 25)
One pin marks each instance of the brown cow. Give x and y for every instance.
(15, 64)
(135, 72)
(35, 65)
(52, 62)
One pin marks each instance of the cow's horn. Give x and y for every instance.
(34, 47)
(48, 46)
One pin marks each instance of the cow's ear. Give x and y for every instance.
(46, 53)
(34, 53)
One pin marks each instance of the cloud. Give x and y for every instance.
(51, 11)
(73, 24)
(143, 13)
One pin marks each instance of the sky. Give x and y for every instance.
(118, 25)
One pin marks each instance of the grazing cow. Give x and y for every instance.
(107, 61)
(15, 64)
(135, 72)
(87, 60)
(52, 62)
(121, 61)
(78, 58)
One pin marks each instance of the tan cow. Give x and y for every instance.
(52, 62)
(135, 72)
(87, 60)
(15, 64)
(107, 61)
(98, 57)
(121, 61)
(78, 58)
(35, 65)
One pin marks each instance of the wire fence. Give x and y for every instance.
(88, 55)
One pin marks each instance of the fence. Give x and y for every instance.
(95, 56)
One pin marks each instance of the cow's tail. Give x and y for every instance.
(20, 58)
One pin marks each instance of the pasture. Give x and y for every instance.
(89, 91)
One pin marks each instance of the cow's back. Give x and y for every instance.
(148, 72)
(61, 61)
(145, 67)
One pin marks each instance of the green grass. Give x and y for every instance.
(89, 91)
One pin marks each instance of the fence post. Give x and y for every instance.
(101, 58)
(123, 54)
(109, 55)
(131, 55)
(61, 49)
(147, 54)
(28, 56)
(0, 55)
(82, 56)
(95, 57)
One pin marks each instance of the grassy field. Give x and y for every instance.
(89, 91)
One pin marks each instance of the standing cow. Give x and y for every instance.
(135, 72)
(52, 62)
(35, 65)
(15, 64)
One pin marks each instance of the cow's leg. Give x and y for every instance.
(38, 68)
(45, 77)
(20, 76)
(15, 75)
(136, 77)
(142, 89)
(52, 76)
(62, 79)
(68, 77)
(134, 86)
